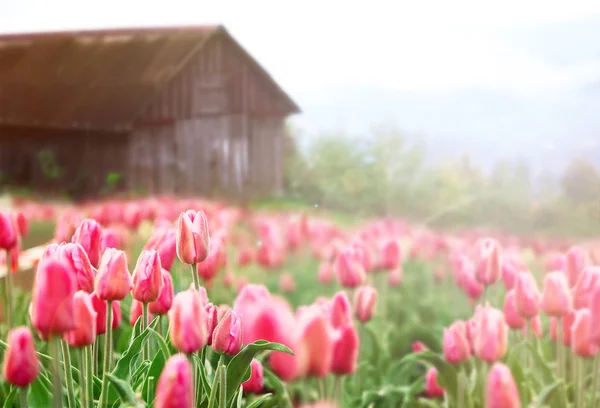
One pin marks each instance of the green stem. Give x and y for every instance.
(212, 399)
(336, 389)
(107, 355)
(23, 396)
(8, 287)
(82, 377)
(580, 381)
(146, 347)
(95, 347)
(68, 374)
(223, 382)
(595, 379)
(560, 368)
(484, 373)
(195, 276)
(89, 377)
(57, 397)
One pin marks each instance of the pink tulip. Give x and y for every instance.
(212, 319)
(556, 296)
(419, 347)
(432, 388)
(21, 365)
(566, 324)
(52, 298)
(595, 314)
(22, 224)
(77, 259)
(581, 339)
(188, 322)
(84, 333)
(227, 336)
(365, 300)
(8, 231)
(287, 284)
(113, 281)
(164, 241)
(514, 320)
(341, 310)
(89, 236)
(527, 296)
(193, 240)
(147, 277)
(501, 390)
(395, 277)
(456, 344)
(588, 277)
(391, 255)
(576, 259)
(165, 299)
(117, 315)
(488, 264)
(490, 337)
(349, 269)
(345, 350)
(325, 274)
(175, 387)
(255, 383)
(317, 342)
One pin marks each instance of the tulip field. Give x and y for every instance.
(172, 302)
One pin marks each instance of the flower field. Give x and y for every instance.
(169, 302)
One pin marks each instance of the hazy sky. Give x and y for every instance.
(310, 44)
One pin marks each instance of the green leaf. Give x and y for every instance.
(237, 369)
(11, 397)
(39, 395)
(122, 369)
(161, 343)
(203, 377)
(274, 383)
(125, 392)
(259, 401)
(547, 394)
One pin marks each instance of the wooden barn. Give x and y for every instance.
(182, 110)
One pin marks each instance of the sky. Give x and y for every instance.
(531, 54)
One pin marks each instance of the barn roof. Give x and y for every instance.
(96, 79)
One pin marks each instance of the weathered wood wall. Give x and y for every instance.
(84, 159)
(224, 124)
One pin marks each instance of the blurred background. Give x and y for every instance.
(452, 114)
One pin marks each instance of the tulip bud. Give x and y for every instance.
(163, 240)
(582, 290)
(175, 387)
(255, 383)
(113, 281)
(490, 337)
(432, 388)
(527, 296)
(110, 239)
(52, 298)
(188, 322)
(212, 319)
(214, 262)
(510, 271)
(456, 344)
(147, 277)
(317, 342)
(501, 390)
(488, 263)
(227, 336)
(117, 315)
(576, 259)
(165, 299)
(556, 296)
(419, 347)
(566, 324)
(21, 365)
(349, 270)
(364, 302)
(345, 350)
(287, 284)
(193, 241)
(595, 314)
(512, 317)
(390, 255)
(8, 231)
(581, 340)
(341, 310)
(84, 333)
(77, 259)
(89, 236)
(22, 224)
